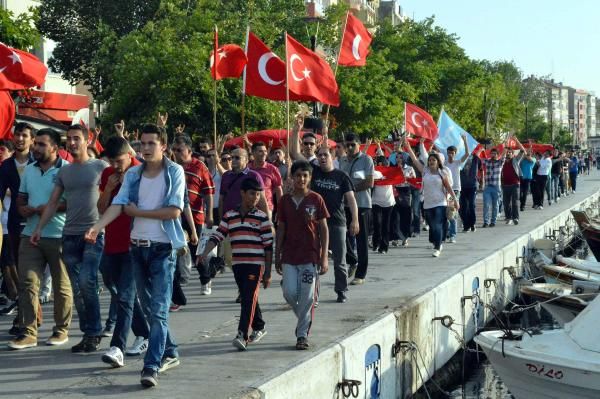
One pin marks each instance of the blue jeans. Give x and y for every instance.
(117, 273)
(554, 187)
(82, 260)
(436, 217)
(153, 269)
(491, 195)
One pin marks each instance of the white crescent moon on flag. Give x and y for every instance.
(355, 44)
(262, 69)
(293, 58)
(414, 120)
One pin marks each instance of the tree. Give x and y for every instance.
(86, 31)
(164, 66)
(19, 31)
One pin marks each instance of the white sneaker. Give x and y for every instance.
(114, 357)
(436, 253)
(139, 346)
(257, 335)
(451, 240)
(206, 289)
(510, 222)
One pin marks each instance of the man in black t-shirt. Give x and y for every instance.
(335, 187)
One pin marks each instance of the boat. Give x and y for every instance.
(567, 275)
(590, 228)
(559, 300)
(550, 364)
(581, 264)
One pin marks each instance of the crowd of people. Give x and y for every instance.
(146, 208)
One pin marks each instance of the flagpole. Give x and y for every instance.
(337, 62)
(243, 110)
(215, 45)
(287, 98)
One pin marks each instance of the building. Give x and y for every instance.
(316, 8)
(590, 122)
(57, 100)
(557, 112)
(365, 10)
(392, 10)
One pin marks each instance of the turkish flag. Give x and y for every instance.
(355, 43)
(265, 72)
(7, 114)
(418, 122)
(231, 61)
(310, 76)
(19, 69)
(392, 175)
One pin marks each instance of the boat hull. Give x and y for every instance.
(527, 378)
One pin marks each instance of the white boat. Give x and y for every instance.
(555, 364)
(567, 274)
(586, 265)
(559, 300)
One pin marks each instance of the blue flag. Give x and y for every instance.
(450, 134)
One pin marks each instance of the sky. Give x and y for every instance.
(552, 37)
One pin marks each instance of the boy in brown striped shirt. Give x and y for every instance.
(251, 236)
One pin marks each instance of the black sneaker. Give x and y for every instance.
(341, 297)
(473, 228)
(92, 345)
(492, 224)
(149, 378)
(485, 225)
(9, 310)
(80, 347)
(302, 344)
(516, 221)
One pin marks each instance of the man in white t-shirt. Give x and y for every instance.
(455, 165)
(541, 178)
(153, 194)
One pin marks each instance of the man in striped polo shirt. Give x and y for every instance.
(250, 233)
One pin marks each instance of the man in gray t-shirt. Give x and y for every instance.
(360, 168)
(79, 183)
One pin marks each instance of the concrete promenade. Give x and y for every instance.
(212, 368)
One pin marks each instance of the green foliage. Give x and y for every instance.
(19, 31)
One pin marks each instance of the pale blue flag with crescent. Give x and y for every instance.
(450, 133)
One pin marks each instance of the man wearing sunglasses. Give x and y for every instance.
(360, 168)
(309, 144)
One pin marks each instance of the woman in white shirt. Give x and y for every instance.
(436, 189)
(383, 201)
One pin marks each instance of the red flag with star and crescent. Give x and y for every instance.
(231, 61)
(418, 122)
(355, 43)
(265, 72)
(19, 69)
(310, 76)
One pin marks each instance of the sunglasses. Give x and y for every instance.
(350, 144)
(225, 159)
(308, 143)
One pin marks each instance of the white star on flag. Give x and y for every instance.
(15, 58)
(222, 54)
(306, 73)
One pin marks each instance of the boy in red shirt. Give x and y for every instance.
(301, 251)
